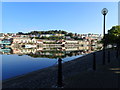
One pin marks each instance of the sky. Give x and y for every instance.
(75, 17)
(119, 13)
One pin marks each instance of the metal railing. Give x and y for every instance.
(106, 60)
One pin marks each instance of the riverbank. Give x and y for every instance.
(77, 73)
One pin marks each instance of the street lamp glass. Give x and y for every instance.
(104, 11)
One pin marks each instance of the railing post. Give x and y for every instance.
(103, 56)
(94, 61)
(108, 56)
(59, 82)
(117, 53)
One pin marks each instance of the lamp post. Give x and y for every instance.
(104, 12)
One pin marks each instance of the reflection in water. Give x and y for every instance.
(6, 51)
(49, 52)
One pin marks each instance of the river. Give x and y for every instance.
(17, 62)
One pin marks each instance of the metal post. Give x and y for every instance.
(59, 82)
(104, 42)
(104, 27)
(108, 56)
(117, 53)
(104, 12)
(94, 61)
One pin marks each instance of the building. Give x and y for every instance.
(46, 35)
(1, 35)
(27, 40)
(40, 41)
(67, 37)
(59, 35)
(5, 42)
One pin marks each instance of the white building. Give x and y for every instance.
(46, 35)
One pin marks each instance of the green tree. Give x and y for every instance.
(70, 34)
(37, 37)
(113, 36)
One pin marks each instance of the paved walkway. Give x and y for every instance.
(107, 76)
(77, 73)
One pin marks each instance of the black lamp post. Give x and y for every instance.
(104, 12)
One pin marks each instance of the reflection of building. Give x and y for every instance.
(16, 51)
(71, 48)
(79, 42)
(71, 42)
(5, 51)
(23, 51)
(50, 52)
(48, 49)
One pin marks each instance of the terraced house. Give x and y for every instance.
(5, 42)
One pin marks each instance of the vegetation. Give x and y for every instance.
(53, 54)
(51, 37)
(49, 32)
(113, 36)
(43, 32)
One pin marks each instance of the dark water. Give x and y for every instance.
(17, 62)
(14, 65)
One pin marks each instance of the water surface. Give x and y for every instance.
(14, 65)
(19, 61)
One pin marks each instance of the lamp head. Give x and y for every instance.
(104, 11)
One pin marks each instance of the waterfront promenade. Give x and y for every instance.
(82, 72)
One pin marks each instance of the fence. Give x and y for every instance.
(106, 55)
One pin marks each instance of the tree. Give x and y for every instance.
(113, 36)
(37, 37)
(70, 34)
(20, 33)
